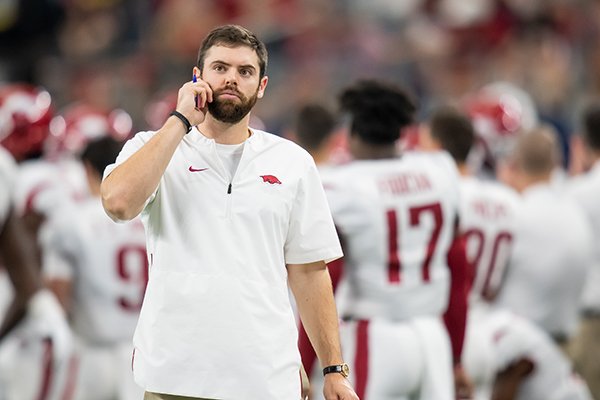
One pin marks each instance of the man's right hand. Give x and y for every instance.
(186, 100)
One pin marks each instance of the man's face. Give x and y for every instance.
(233, 74)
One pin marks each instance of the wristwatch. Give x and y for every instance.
(343, 369)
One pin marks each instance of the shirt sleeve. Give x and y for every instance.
(311, 236)
(131, 147)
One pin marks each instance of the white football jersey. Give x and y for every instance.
(549, 262)
(585, 190)
(397, 218)
(45, 186)
(107, 265)
(487, 219)
(497, 338)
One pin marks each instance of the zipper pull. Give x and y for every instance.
(229, 189)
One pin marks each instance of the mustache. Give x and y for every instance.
(229, 90)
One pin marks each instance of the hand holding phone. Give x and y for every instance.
(196, 96)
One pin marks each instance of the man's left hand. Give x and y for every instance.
(338, 388)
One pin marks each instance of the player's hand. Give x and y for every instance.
(462, 384)
(49, 321)
(189, 94)
(337, 387)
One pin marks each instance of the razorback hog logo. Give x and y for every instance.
(270, 179)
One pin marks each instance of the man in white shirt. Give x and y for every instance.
(232, 216)
(552, 255)
(585, 190)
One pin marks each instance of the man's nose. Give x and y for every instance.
(231, 78)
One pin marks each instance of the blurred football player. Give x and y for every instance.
(506, 356)
(99, 271)
(488, 208)
(34, 323)
(397, 218)
(25, 115)
(511, 358)
(553, 253)
(585, 190)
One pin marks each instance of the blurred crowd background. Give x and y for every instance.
(116, 53)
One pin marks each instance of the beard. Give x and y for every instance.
(229, 111)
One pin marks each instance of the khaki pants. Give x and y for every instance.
(159, 396)
(585, 353)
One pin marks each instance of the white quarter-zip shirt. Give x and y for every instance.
(216, 320)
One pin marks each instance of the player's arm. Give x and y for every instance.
(307, 352)
(507, 381)
(312, 289)
(59, 259)
(455, 317)
(62, 289)
(126, 189)
(31, 298)
(17, 250)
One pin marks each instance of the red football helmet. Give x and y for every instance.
(25, 114)
(500, 113)
(73, 129)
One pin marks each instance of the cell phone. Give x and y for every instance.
(196, 96)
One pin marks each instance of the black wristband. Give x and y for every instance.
(182, 118)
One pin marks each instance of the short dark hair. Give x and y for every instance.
(453, 130)
(233, 36)
(313, 124)
(591, 125)
(378, 110)
(99, 153)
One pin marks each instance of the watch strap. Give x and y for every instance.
(338, 368)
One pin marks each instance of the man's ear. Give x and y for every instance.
(197, 72)
(262, 86)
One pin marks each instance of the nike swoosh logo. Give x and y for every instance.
(192, 169)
